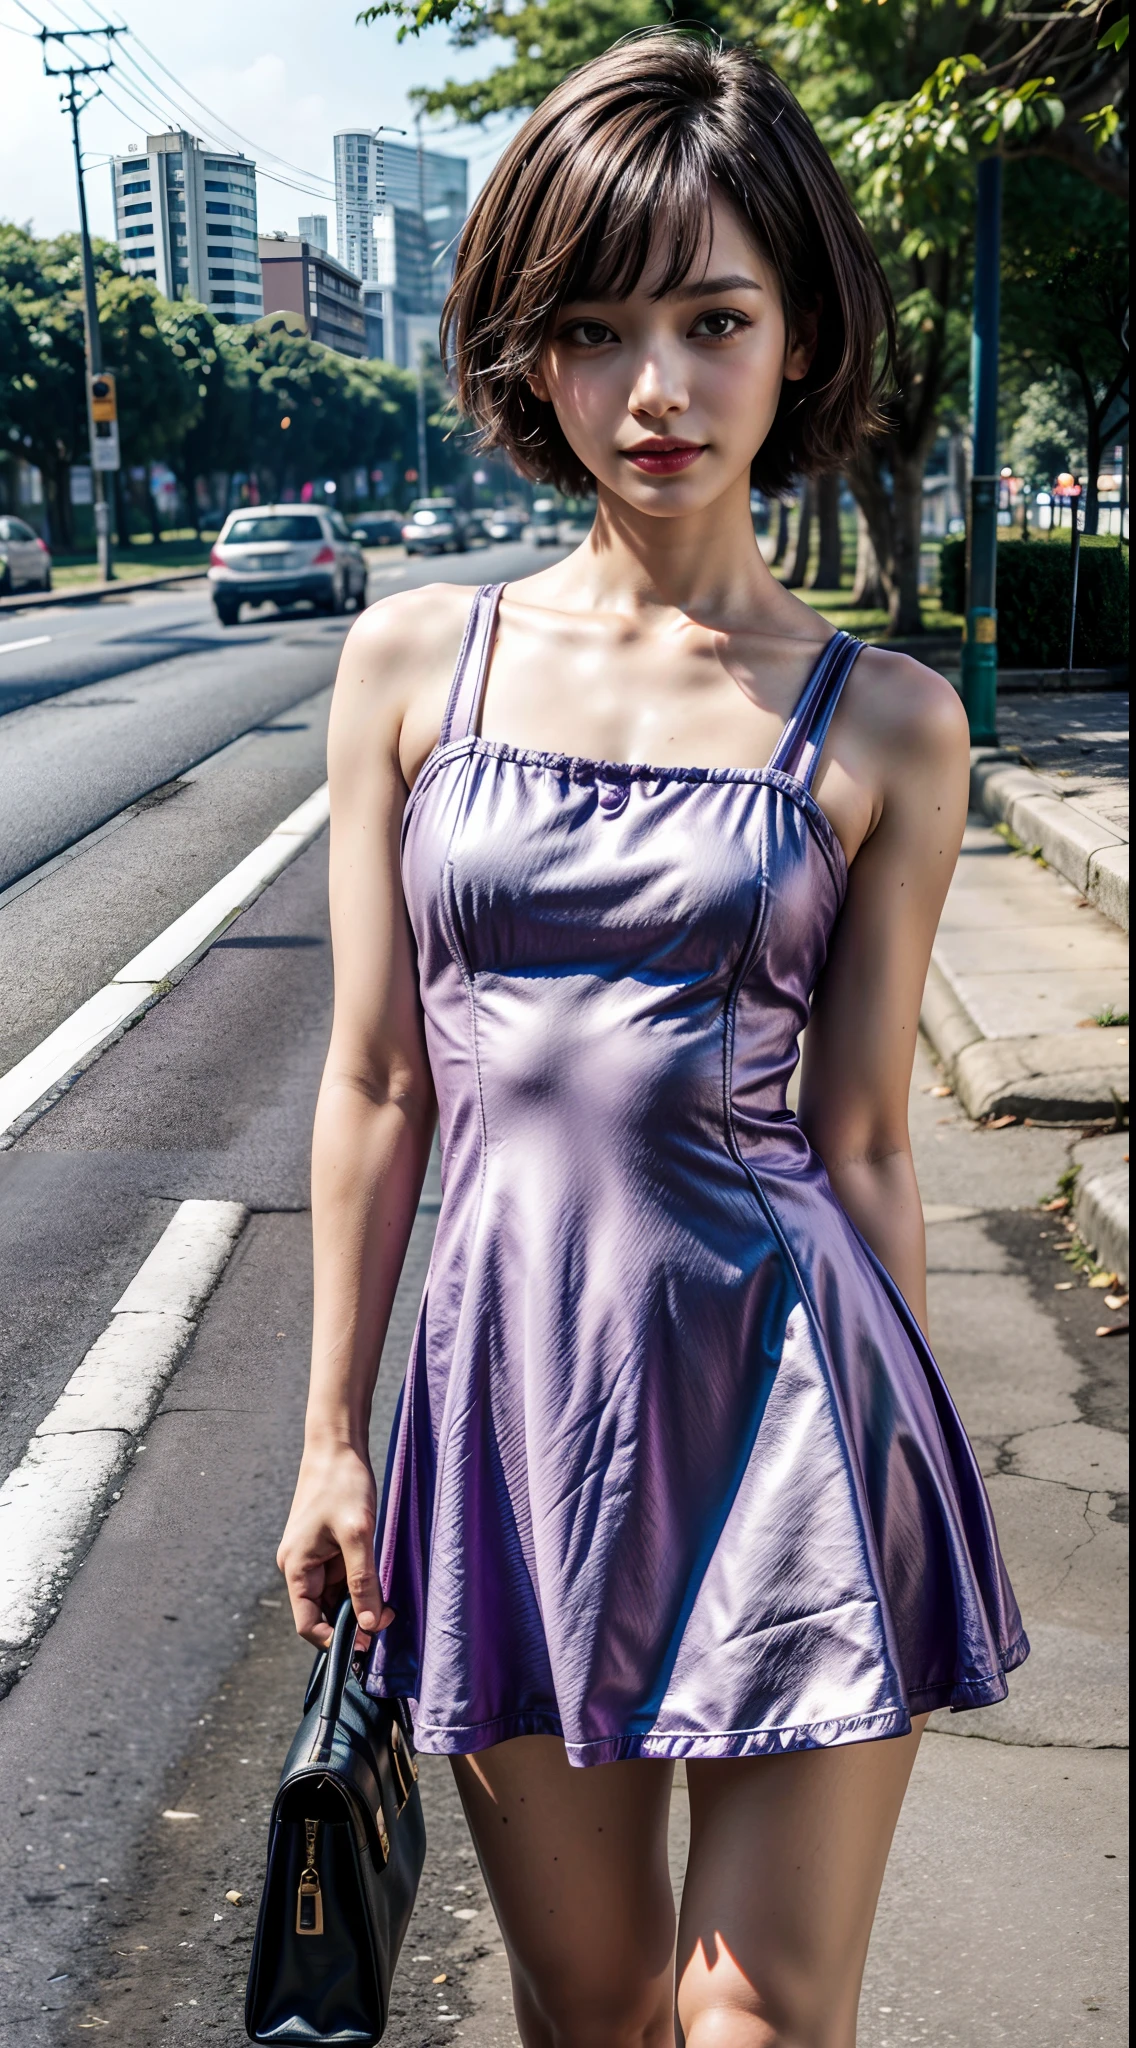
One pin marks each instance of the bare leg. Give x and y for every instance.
(576, 1865)
(787, 1856)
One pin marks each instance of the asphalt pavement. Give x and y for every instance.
(168, 1680)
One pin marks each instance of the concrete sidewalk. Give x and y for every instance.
(1059, 781)
(1026, 1008)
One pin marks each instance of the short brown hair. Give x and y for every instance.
(634, 141)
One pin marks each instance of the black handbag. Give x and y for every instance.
(346, 1846)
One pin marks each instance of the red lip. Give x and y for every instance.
(663, 458)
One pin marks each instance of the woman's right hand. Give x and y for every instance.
(328, 1544)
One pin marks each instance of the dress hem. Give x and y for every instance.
(961, 1695)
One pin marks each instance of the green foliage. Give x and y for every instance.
(1048, 434)
(1033, 599)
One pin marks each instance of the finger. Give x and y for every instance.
(358, 1547)
(305, 1596)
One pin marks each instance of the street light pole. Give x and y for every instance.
(980, 641)
(73, 106)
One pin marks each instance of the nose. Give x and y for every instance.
(658, 390)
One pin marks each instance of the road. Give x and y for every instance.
(169, 1679)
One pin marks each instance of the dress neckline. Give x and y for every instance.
(584, 768)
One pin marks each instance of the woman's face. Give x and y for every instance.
(666, 401)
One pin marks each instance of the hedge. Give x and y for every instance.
(1033, 599)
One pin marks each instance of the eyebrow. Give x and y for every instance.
(710, 287)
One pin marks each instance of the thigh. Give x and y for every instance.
(576, 1866)
(787, 1856)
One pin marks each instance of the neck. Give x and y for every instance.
(705, 564)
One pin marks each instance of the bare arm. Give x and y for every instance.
(860, 1044)
(373, 1125)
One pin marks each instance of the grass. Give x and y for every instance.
(177, 550)
(1108, 1017)
(1018, 846)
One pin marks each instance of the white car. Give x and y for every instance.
(286, 554)
(25, 559)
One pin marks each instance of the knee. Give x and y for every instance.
(580, 2014)
(745, 2025)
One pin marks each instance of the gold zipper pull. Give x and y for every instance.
(309, 1898)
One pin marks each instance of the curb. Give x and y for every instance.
(1100, 1204)
(90, 593)
(1068, 1077)
(1070, 836)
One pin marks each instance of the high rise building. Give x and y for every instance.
(313, 229)
(299, 277)
(399, 211)
(186, 216)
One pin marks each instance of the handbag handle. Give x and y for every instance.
(339, 1655)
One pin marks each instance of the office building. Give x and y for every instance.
(300, 277)
(313, 228)
(399, 211)
(186, 216)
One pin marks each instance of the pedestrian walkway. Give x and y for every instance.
(1059, 781)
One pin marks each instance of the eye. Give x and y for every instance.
(719, 325)
(588, 333)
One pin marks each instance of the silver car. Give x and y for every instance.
(435, 527)
(286, 554)
(25, 559)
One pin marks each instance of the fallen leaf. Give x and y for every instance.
(439, 1980)
(175, 1813)
(999, 1123)
(1111, 1330)
(1116, 1301)
(235, 1898)
(1103, 1280)
(1087, 1024)
(1062, 1286)
(1054, 1207)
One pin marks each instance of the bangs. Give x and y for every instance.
(660, 204)
(617, 169)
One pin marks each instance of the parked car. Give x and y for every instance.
(434, 527)
(544, 519)
(505, 522)
(573, 527)
(25, 559)
(286, 554)
(377, 529)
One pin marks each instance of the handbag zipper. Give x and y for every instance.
(309, 1898)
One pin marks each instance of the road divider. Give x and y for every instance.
(52, 1066)
(50, 1504)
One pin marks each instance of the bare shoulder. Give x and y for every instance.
(408, 634)
(908, 714)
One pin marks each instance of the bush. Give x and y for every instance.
(1033, 599)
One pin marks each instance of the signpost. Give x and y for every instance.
(104, 443)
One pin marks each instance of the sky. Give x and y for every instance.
(287, 73)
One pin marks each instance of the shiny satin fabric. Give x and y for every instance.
(674, 1472)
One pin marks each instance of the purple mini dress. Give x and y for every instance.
(674, 1473)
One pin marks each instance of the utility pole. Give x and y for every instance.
(104, 447)
(980, 641)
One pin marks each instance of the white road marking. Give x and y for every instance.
(63, 1055)
(49, 1503)
(13, 646)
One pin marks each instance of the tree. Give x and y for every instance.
(1065, 300)
(43, 404)
(157, 393)
(213, 358)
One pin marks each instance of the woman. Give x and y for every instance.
(674, 1473)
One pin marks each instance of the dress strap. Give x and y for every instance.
(799, 748)
(468, 686)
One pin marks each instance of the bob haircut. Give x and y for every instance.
(631, 145)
